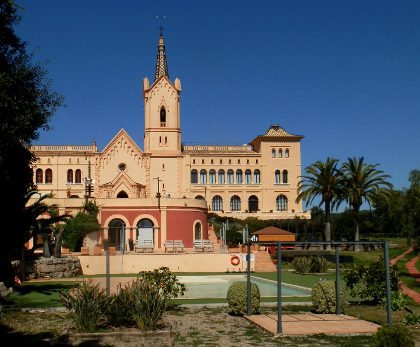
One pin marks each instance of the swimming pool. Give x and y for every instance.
(216, 286)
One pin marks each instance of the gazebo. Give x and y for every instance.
(273, 234)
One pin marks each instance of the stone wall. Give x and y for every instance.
(53, 267)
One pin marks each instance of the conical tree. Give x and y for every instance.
(363, 183)
(325, 181)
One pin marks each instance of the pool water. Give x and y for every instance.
(216, 286)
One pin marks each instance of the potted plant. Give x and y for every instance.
(97, 250)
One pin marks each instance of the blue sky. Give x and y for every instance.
(344, 74)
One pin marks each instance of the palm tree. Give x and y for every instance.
(324, 180)
(363, 182)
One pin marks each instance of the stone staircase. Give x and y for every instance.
(213, 239)
(263, 262)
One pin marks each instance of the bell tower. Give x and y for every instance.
(162, 131)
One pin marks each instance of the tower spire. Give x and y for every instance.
(161, 64)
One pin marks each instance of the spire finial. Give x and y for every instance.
(161, 64)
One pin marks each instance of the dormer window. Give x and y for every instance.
(162, 117)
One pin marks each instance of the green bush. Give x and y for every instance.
(398, 301)
(120, 308)
(368, 282)
(324, 298)
(310, 264)
(411, 319)
(238, 300)
(87, 303)
(151, 295)
(393, 336)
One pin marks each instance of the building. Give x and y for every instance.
(165, 191)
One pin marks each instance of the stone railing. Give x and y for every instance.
(215, 148)
(68, 148)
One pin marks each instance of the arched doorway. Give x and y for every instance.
(145, 230)
(116, 234)
(253, 203)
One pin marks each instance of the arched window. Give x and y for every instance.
(48, 176)
(194, 176)
(197, 231)
(257, 176)
(239, 176)
(39, 176)
(281, 203)
(145, 230)
(235, 203)
(253, 203)
(230, 177)
(221, 176)
(122, 195)
(217, 203)
(280, 153)
(285, 176)
(162, 117)
(248, 176)
(116, 231)
(70, 176)
(212, 176)
(286, 153)
(273, 153)
(277, 177)
(199, 197)
(203, 176)
(78, 176)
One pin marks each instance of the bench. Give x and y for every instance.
(174, 244)
(203, 245)
(144, 245)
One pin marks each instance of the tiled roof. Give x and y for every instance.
(272, 231)
(276, 131)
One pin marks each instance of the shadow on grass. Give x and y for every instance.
(8, 337)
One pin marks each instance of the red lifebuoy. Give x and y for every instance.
(235, 260)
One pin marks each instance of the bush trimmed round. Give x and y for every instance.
(237, 298)
(324, 298)
(393, 336)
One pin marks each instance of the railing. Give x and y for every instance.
(216, 148)
(90, 148)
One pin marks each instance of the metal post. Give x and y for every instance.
(279, 324)
(248, 279)
(337, 282)
(388, 284)
(108, 280)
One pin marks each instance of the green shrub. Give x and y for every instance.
(368, 282)
(87, 303)
(324, 298)
(398, 301)
(393, 336)
(120, 308)
(151, 295)
(411, 319)
(310, 264)
(238, 300)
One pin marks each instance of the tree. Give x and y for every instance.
(26, 105)
(363, 182)
(323, 180)
(411, 206)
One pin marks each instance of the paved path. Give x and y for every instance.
(309, 324)
(393, 261)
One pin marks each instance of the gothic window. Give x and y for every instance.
(78, 176)
(48, 176)
(122, 195)
(286, 153)
(70, 176)
(221, 176)
(239, 176)
(235, 203)
(230, 177)
(257, 178)
(281, 203)
(217, 203)
(197, 231)
(253, 203)
(194, 176)
(39, 176)
(248, 176)
(162, 117)
(203, 176)
(277, 177)
(212, 176)
(284, 176)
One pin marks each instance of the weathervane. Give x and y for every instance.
(161, 18)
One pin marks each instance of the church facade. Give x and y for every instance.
(165, 191)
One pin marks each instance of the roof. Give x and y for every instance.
(272, 231)
(276, 132)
